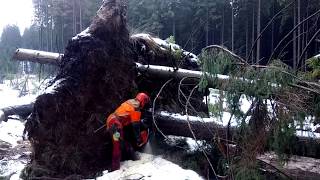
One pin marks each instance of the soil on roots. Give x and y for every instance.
(95, 76)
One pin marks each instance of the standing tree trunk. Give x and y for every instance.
(299, 32)
(247, 39)
(294, 50)
(222, 26)
(74, 18)
(80, 15)
(306, 36)
(272, 26)
(207, 26)
(232, 25)
(47, 26)
(252, 33)
(258, 31)
(62, 27)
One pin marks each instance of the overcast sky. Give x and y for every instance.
(19, 12)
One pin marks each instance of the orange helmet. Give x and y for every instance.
(143, 98)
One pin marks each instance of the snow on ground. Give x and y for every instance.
(11, 131)
(12, 168)
(13, 150)
(9, 97)
(150, 167)
(10, 138)
(21, 90)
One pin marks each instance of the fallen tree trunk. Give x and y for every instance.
(152, 70)
(21, 110)
(203, 129)
(302, 167)
(41, 57)
(167, 124)
(182, 126)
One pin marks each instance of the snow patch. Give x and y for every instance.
(21, 90)
(162, 43)
(84, 33)
(192, 57)
(317, 56)
(52, 89)
(165, 45)
(308, 134)
(11, 168)
(150, 167)
(9, 97)
(11, 131)
(223, 120)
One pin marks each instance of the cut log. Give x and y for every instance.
(41, 57)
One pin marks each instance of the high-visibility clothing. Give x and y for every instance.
(126, 114)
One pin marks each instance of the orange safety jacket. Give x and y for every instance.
(127, 113)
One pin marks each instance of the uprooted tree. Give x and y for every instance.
(96, 74)
(98, 71)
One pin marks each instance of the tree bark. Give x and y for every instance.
(41, 57)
